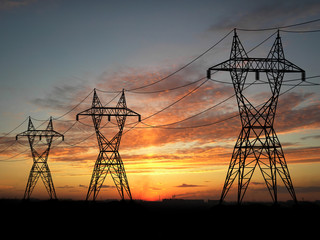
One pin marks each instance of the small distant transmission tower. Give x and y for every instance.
(257, 144)
(40, 166)
(109, 160)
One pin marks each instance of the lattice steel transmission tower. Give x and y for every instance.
(109, 159)
(257, 144)
(40, 166)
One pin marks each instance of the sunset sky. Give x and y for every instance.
(54, 52)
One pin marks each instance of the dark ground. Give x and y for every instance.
(177, 217)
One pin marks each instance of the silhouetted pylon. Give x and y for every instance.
(257, 144)
(40, 166)
(109, 160)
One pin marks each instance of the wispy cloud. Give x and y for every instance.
(311, 137)
(272, 14)
(9, 4)
(61, 97)
(184, 185)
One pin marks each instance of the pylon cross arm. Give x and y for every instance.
(257, 65)
(40, 133)
(109, 111)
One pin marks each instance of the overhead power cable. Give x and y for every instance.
(279, 27)
(249, 84)
(174, 88)
(15, 128)
(301, 31)
(184, 96)
(199, 113)
(212, 123)
(214, 80)
(184, 66)
(284, 82)
(193, 90)
(189, 93)
(169, 89)
(13, 142)
(73, 107)
(61, 116)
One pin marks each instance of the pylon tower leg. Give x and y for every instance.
(265, 152)
(98, 176)
(283, 171)
(119, 177)
(47, 180)
(108, 163)
(40, 169)
(32, 181)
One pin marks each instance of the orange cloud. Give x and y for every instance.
(300, 116)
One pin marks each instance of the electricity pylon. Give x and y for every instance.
(257, 144)
(40, 166)
(109, 160)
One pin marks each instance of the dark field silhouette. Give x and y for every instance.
(179, 207)
(175, 218)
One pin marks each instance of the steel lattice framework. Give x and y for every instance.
(257, 144)
(109, 159)
(40, 166)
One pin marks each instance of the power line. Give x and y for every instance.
(199, 113)
(184, 66)
(184, 96)
(261, 82)
(164, 126)
(76, 144)
(61, 116)
(8, 159)
(106, 91)
(188, 127)
(211, 80)
(73, 107)
(301, 31)
(189, 93)
(13, 142)
(169, 89)
(14, 128)
(166, 77)
(157, 91)
(258, 45)
(280, 27)
(175, 102)
(212, 123)
(283, 84)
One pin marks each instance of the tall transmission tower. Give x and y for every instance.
(257, 144)
(40, 166)
(109, 159)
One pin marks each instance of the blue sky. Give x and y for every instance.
(55, 51)
(47, 43)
